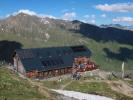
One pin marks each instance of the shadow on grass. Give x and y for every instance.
(123, 55)
(7, 48)
(104, 34)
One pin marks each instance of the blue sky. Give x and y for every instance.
(90, 11)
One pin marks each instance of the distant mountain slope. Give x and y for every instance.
(23, 24)
(31, 31)
(106, 34)
(118, 26)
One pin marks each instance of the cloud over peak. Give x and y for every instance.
(89, 18)
(69, 16)
(123, 19)
(103, 15)
(118, 7)
(31, 13)
(26, 11)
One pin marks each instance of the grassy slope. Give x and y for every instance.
(14, 88)
(99, 88)
(60, 37)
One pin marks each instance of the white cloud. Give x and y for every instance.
(123, 19)
(89, 19)
(118, 7)
(69, 16)
(45, 15)
(90, 16)
(64, 10)
(29, 12)
(73, 2)
(103, 15)
(73, 8)
(1, 17)
(93, 16)
(92, 21)
(26, 11)
(68, 10)
(86, 16)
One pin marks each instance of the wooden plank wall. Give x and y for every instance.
(50, 73)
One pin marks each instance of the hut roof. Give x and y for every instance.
(44, 59)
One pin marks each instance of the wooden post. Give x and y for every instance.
(122, 70)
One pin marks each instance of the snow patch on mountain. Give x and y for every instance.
(45, 21)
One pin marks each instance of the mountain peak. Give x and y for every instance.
(26, 12)
(76, 21)
(22, 14)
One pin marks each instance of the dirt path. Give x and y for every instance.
(118, 86)
(43, 90)
(121, 87)
(48, 93)
(65, 85)
(98, 81)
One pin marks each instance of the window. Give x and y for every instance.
(44, 63)
(78, 48)
(48, 54)
(53, 62)
(57, 61)
(64, 52)
(58, 52)
(48, 62)
(70, 51)
(61, 61)
(26, 54)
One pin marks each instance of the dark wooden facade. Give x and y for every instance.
(49, 73)
(85, 61)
